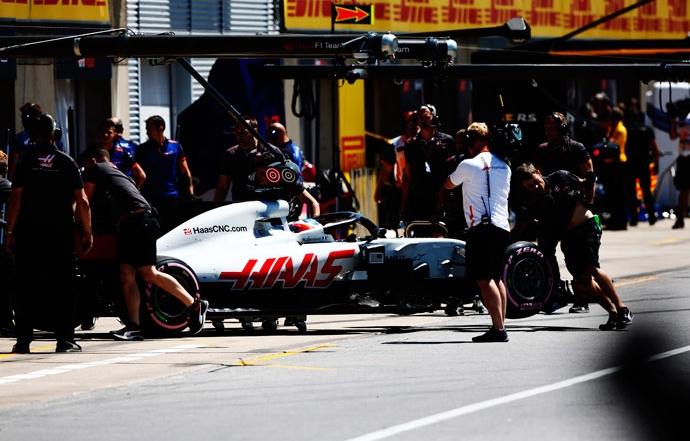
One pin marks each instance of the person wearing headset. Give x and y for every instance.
(561, 152)
(426, 156)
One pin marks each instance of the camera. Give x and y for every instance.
(506, 141)
(486, 220)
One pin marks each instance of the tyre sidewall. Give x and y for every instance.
(163, 313)
(529, 278)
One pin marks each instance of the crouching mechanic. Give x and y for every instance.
(139, 229)
(561, 215)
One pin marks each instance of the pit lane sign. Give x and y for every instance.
(351, 14)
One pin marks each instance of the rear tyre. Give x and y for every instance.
(270, 325)
(163, 312)
(529, 279)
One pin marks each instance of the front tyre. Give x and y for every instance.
(529, 279)
(164, 312)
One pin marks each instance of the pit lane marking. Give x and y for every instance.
(40, 348)
(642, 280)
(494, 402)
(78, 366)
(259, 361)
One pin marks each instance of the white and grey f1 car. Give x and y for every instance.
(251, 264)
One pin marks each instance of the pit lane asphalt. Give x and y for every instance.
(116, 372)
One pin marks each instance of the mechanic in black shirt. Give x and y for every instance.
(425, 171)
(41, 230)
(139, 229)
(238, 164)
(561, 152)
(562, 215)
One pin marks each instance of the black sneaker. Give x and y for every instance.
(130, 332)
(493, 335)
(680, 223)
(652, 219)
(197, 316)
(88, 323)
(21, 348)
(67, 346)
(624, 318)
(610, 324)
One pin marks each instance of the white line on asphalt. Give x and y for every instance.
(73, 367)
(461, 411)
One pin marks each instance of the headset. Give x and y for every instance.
(43, 125)
(435, 120)
(469, 138)
(563, 127)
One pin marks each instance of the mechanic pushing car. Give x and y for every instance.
(139, 229)
(562, 215)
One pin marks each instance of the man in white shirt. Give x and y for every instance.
(485, 180)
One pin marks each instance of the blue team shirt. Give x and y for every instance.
(161, 168)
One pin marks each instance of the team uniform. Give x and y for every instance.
(239, 164)
(161, 169)
(549, 158)
(120, 154)
(580, 245)
(485, 181)
(427, 163)
(45, 246)
(138, 225)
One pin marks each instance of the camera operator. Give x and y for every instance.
(485, 180)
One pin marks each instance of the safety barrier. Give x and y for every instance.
(363, 182)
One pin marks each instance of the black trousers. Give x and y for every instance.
(7, 291)
(45, 293)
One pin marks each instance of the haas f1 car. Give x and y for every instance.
(251, 264)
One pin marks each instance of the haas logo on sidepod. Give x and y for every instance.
(264, 275)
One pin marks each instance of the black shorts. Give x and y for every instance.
(682, 177)
(484, 249)
(136, 243)
(580, 247)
